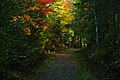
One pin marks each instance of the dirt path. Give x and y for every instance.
(62, 68)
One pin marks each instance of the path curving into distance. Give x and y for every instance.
(63, 67)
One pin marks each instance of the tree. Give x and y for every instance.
(20, 25)
(58, 21)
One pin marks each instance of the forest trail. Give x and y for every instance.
(63, 67)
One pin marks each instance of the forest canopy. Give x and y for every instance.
(30, 30)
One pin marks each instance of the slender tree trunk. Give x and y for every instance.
(113, 29)
(97, 34)
(113, 24)
(80, 43)
(118, 24)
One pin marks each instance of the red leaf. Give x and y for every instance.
(47, 1)
(50, 10)
(43, 23)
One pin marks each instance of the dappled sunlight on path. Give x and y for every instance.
(63, 67)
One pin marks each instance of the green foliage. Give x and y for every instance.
(18, 51)
(28, 33)
(69, 34)
(26, 37)
(84, 72)
(98, 24)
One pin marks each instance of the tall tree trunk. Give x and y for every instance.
(97, 25)
(113, 24)
(80, 43)
(97, 34)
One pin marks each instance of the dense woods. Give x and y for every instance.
(99, 30)
(31, 30)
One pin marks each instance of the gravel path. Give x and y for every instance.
(63, 67)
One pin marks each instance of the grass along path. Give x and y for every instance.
(83, 72)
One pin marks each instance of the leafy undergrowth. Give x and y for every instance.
(84, 73)
(39, 69)
(93, 69)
